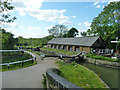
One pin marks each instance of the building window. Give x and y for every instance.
(51, 46)
(64, 47)
(77, 49)
(70, 48)
(55, 46)
(59, 47)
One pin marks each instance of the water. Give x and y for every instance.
(108, 75)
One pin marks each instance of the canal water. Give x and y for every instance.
(108, 75)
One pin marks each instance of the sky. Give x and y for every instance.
(35, 17)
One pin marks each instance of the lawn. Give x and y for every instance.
(8, 57)
(79, 75)
(59, 51)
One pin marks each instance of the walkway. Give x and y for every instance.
(30, 77)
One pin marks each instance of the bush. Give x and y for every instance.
(90, 55)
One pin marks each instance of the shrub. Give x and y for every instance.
(90, 55)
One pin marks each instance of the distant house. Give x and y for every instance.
(77, 44)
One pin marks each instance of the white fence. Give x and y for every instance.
(104, 51)
(34, 58)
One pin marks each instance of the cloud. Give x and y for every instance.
(34, 28)
(64, 22)
(73, 16)
(95, 3)
(98, 6)
(32, 8)
(87, 23)
(79, 24)
(10, 25)
(49, 27)
(113, 1)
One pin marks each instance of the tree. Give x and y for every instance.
(83, 34)
(72, 32)
(8, 41)
(106, 24)
(58, 30)
(6, 38)
(5, 7)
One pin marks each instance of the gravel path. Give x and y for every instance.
(30, 77)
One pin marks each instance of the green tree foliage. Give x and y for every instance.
(33, 42)
(8, 41)
(6, 38)
(83, 34)
(73, 32)
(106, 23)
(58, 30)
(5, 7)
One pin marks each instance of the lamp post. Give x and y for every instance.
(116, 42)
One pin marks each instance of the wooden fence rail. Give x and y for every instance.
(8, 64)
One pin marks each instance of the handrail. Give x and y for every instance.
(34, 57)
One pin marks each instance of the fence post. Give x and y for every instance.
(8, 65)
(32, 61)
(22, 63)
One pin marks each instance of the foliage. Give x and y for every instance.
(107, 23)
(58, 30)
(44, 81)
(5, 7)
(72, 33)
(83, 34)
(101, 57)
(79, 75)
(8, 41)
(60, 51)
(33, 42)
(8, 57)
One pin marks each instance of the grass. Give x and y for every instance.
(29, 50)
(79, 75)
(90, 55)
(17, 66)
(8, 57)
(60, 51)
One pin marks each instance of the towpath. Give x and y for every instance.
(30, 77)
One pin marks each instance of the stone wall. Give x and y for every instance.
(104, 63)
(58, 82)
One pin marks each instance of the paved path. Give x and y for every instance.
(30, 77)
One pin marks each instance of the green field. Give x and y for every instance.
(8, 57)
(79, 75)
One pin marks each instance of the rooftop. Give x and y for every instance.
(82, 41)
